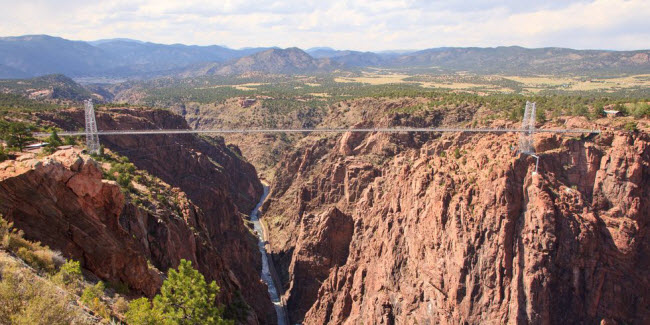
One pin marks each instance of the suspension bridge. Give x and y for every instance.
(526, 131)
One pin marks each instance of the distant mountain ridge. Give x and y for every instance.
(516, 59)
(272, 61)
(35, 55)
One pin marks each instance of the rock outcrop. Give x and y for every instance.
(63, 202)
(458, 230)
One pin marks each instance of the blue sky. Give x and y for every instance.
(358, 25)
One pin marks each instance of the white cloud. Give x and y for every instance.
(361, 24)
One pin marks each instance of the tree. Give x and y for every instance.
(185, 299)
(598, 111)
(53, 142)
(54, 139)
(17, 134)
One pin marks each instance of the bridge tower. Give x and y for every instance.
(526, 137)
(528, 124)
(92, 138)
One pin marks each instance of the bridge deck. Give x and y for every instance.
(322, 130)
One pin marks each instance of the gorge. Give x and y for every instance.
(360, 227)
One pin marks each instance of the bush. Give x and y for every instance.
(69, 275)
(27, 301)
(70, 141)
(92, 298)
(119, 287)
(39, 259)
(33, 253)
(630, 126)
(121, 305)
(457, 153)
(90, 293)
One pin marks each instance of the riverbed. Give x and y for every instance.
(266, 270)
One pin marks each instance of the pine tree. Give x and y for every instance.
(185, 299)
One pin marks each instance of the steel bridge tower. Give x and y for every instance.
(526, 137)
(92, 138)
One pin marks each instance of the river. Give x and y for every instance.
(266, 270)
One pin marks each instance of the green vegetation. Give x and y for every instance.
(16, 134)
(630, 126)
(27, 300)
(91, 297)
(185, 298)
(639, 110)
(3, 154)
(36, 255)
(69, 275)
(121, 171)
(18, 103)
(53, 141)
(52, 282)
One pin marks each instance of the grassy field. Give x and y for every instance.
(538, 83)
(501, 84)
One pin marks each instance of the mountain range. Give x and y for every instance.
(35, 55)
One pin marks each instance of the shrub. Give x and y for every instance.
(92, 298)
(90, 293)
(69, 275)
(99, 308)
(457, 153)
(630, 126)
(640, 110)
(27, 301)
(70, 141)
(121, 305)
(39, 259)
(33, 253)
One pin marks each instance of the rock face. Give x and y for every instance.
(63, 202)
(457, 230)
(323, 243)
(221, 189)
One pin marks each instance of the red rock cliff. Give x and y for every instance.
(220, 186)
(458, 230)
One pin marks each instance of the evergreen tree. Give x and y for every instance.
(54, 139)
(185, 299)
(53, 142)
(17, 134)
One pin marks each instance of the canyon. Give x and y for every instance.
(366, 228)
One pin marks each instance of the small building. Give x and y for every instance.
(36, 145)
(612, 113)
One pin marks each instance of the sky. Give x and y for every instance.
(357, 25)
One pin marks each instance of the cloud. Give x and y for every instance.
(361, 24)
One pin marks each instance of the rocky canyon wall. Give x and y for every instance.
(63, 202)
(456, 229)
